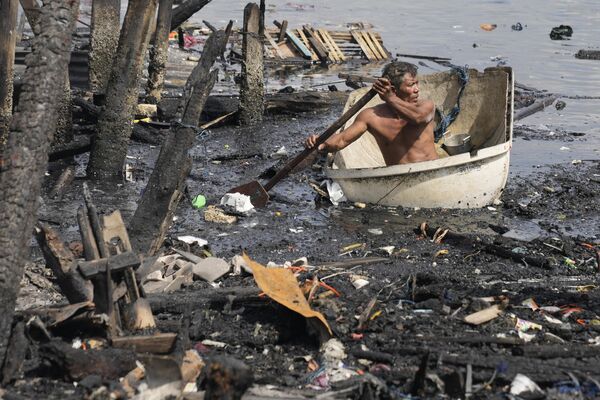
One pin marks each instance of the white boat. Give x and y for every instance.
(469, 180)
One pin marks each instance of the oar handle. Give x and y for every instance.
(282, 173)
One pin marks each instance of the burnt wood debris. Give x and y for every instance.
(126, 272)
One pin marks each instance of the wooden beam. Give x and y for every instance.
(160, 343)
(282, 31)
(118, 263)
(364, 47)
(316, 44)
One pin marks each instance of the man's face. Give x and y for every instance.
(409, 89)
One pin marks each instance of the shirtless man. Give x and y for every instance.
(402, 125)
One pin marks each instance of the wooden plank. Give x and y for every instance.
(114, 227)
(332, 53)
(122, 261)
(297, 43)
(333, 45)
(379, 45)
(313, 55)
(282, 31)
(316, 44)
(372, 46)
(364, 47)
(161, 343)
(274, 45)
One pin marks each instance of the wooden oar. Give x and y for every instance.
(258, 193)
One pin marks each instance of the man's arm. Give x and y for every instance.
(416, 113)
(344, 138)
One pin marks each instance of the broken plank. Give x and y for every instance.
(334, 47)
(161, 343)
(274, 45)
(313, 55)
(297, 43)
(282, 31)
(485, 315)
(363, 46)
(384, 53)
(371, 45)
(316, 44)
(332, 54)
(114, 231)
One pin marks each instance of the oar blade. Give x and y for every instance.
(258, 195)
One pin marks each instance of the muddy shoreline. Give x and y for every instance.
(423, 289)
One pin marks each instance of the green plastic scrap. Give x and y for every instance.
(199, 201)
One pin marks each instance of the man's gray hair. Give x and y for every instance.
(396, 70)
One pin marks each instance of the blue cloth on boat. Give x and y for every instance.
(448, 119)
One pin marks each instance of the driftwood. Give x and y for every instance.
(538, 105)
(75, 364)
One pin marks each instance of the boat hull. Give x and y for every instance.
(462, 183)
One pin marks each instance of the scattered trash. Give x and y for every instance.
(562, 32)
(559, 105)
(524, 387)
(485, 315)
(360, 205)
(192, 239)
(358, 281)
(215, 214)
(336, 194)
(517, 27)
(488, 27)
(210, 268)
(199, 201)
(239, 202)
(376, 231)
(280, 153)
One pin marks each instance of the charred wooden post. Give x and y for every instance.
(64, 126)
(63, 264)
(261, 22)
(116, 121)
(26, 153)
(252, 95)
(8, 34)
(185, 11)
(212, 48)
(104, 39)
(157, 65)
(165, 187)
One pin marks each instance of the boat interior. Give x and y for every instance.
(485, 115)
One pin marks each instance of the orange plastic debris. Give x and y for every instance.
(281, 285)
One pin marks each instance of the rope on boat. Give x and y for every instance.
(448, 119)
